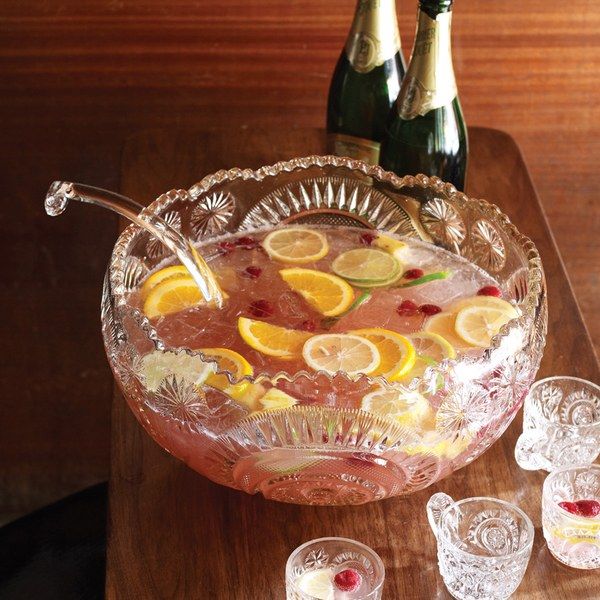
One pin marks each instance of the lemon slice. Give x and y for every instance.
(396, 352)
(275, 399)
(430, 349)
(272, 340)
(442, 324)
(317, 584)
(172, 295)
(296, 245)
(335, 352)
(477, 325)
(433, 443)
(156, 366)
(487, 301)
(326, 293)
(235, 363)
(389, 244)
(366, 265)
(161, 275)
(407, 407)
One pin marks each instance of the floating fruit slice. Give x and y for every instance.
(275, 399)
(366, 265)
(406, 407)
(430, 349)
(156, 366)
(477, 325)
(161, 275)
(327, 293)
(443, 325)
(371, 284)
(317, 584)
(296, 245)
(272, 340)
(236, 364)
(335, 352)
(487, 301)
(433, 443)
(389, 244)
(396, 352)
(172, 295)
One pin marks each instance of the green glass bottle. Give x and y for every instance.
(366, 82)
(426, 132)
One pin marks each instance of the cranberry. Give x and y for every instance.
(308, 325)
(490, 290)
(588, 508)
(347, 580)
(582, 508)
(246, 242)
(252, 271)
(367, 238)
(261, 308)
(226, 247)
(407, 308)
(570, 507)
(430, 309)
(413, 274)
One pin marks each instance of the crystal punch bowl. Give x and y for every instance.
(323, 454)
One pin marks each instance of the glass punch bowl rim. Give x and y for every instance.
(528, 306)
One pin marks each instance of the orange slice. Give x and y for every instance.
(272, 340)
(329, 294)
(396, 352)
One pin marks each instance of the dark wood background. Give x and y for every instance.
(79, 76)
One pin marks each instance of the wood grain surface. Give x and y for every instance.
(174, 534)
(79, 76)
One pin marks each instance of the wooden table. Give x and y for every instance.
(174, 534)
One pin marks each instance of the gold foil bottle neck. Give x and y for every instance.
(374, 36)
(429, 81)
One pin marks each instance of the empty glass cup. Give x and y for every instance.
(484, 545)
(561, 424)
(573, 536)
(334, 569)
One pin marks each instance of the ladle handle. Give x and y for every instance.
(61, 192)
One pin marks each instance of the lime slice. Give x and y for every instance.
(366, 265)
(156, 366)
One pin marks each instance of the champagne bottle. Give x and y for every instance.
(366, 82)
(426, 132)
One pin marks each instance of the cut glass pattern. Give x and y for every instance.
(488, 247)
(443, 222)
(333, 201)
(212, 213)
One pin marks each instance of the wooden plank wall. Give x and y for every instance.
(78, 76)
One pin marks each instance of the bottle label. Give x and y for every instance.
(354, 147)
(374, 36)
(429, 81)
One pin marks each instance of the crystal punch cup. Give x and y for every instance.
(334, 569)
(483, 545)
(573, 539)
(561, 424)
